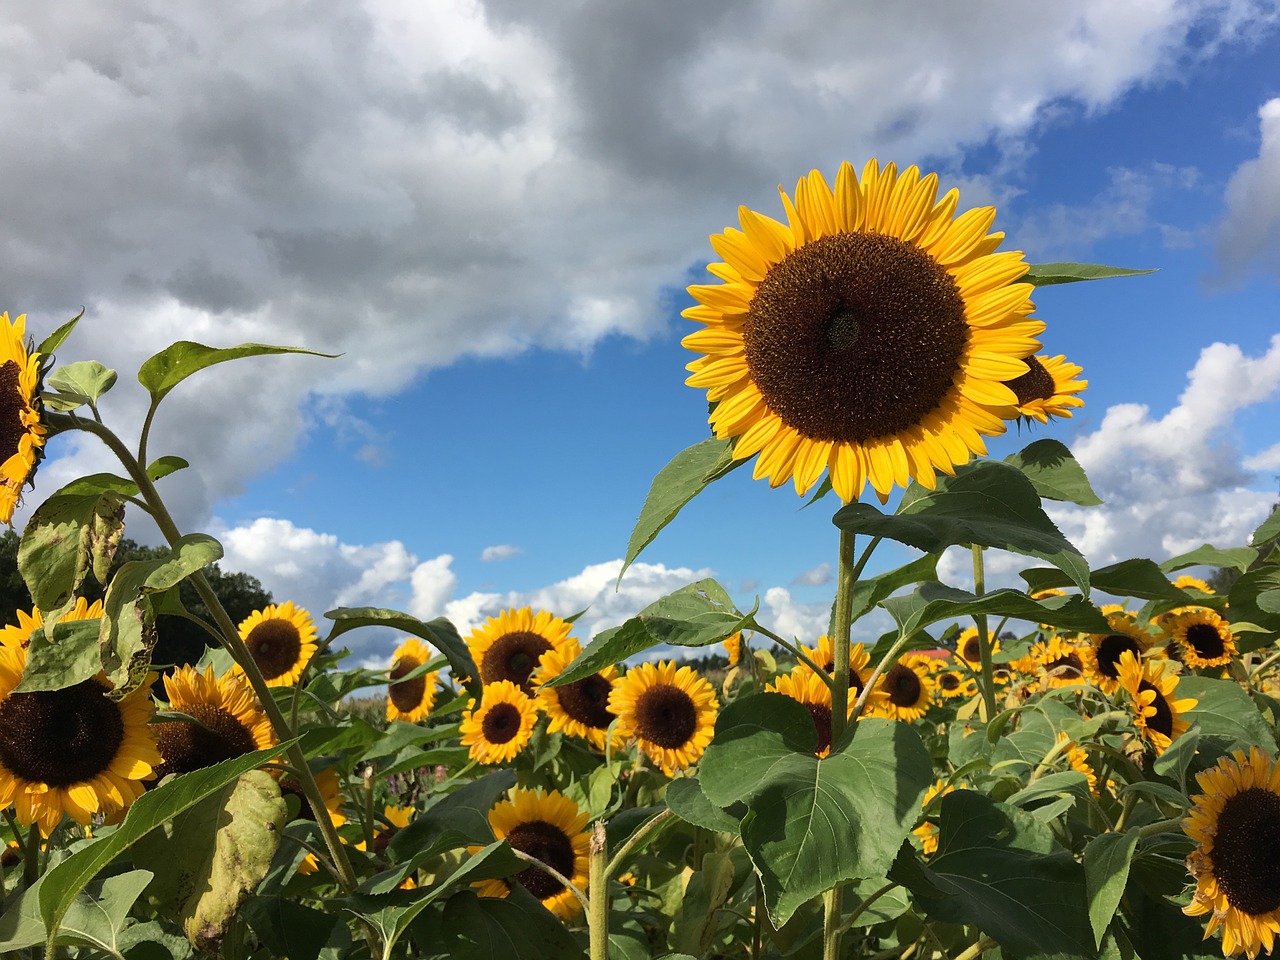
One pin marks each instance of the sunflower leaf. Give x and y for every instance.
(1249, 602)
(1139, 578)
(811, 823)
(62, 539)
(690, 804)
(87, 379)
(168, 368)
(459, 819)
(932, 602)
(1237, 558)
(1268, 530)
(1055, 473)
(288, 928)
(54, 340)
(440, 633)
(165, 466)
(1106, 871)
(1048, 274)
(987, 503)
(1225, 710)
(516, 927)
(72, 659)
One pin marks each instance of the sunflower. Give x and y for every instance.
(1235, 824)
(1078, 760)
(501, 726)
(1057, 662)
(1048, 388)
(1204, 639)
(1151, 686)
(670, 712)
(327, 781)
(824, 655)
(806, 687)
(73, 750)
(733, 647)
(953, 683)
(1101, 652)
(410, 700)
(908, 689)
(229, 721)
(282, 640)
(550, 827)
(509, 646)
(1186, 581)
(22, 445)
(969, 648)
(579, 709)
(872, 337)
(927, 831)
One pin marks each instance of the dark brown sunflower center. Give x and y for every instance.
(855, 336)
(513, 656)
(188, 746)
(275, 645)
(1067, 667)
(550, 845)
(501, 723)
(903, 686)
(12, 403)
(972, 650)
(666, 715)
(855, 681)
(59, 737)
(1162, 720)
(1036, 384)
(1111, 648)
(821, 714)
(1205, 640)
(406, 695)
(949, 681)
(1246, 851)
(587, 701)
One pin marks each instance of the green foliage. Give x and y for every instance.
(1054, 472)
(1048, 274)
(77, 384)
(168, 368)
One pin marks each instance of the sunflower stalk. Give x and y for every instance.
(987, 680)
(597, 906)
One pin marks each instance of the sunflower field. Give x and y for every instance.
(1079, 768)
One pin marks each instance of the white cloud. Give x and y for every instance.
(501, 551)
(817, 577)
(1248, 234)
(794, 620)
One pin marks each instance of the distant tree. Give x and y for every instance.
(181, 641)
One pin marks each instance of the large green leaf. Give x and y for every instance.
(288, 928)
(702, 915)
(67, 536)
(1268, 530)
(1048, 274)
(1253, 600)
(168, 368)
(99, 922)
(516, 927)
(694, 616)
(987, 503)
(869, 591)
(690, 804)
(686, 476)
(1139, 578)
(1223, 709)
(1237, 558)
(440, 633)
(459, 819)
(813, 823)
(933, 602)
(1054, 472)
(1106, 871)
(54, 666)
(996, 868)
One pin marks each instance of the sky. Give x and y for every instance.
(491, 210)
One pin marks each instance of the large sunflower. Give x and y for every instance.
(806, 687)
(501, 726)
(72, 751)
(282, 640)
(410, 700)
(509, 646)
(1151, 686)
(551, 828)
(670, 712)
(1100, 654)
(229, 721)
(1048, 388)
(1236, 863)
(872, 337)
(908, 687)
(21, 432)
(579, 709)
(1203, 638)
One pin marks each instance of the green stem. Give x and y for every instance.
(831, 924)
(794, 650)
(598, 885)
(1172, 825)
(987, 680)
(846, 578)
(890, 657)
(972, 953)
(642, 835)
(858, 910)
(757, 919)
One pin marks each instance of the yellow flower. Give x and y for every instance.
(578, 709)
(327, 781)
(1186, 581)
(1100, 654)
(872, 337)
(860, 669)
(1048, 389)
(229, 721)
(410, 700)
(928, 832)
(282, 640)
(1235, 824)
(1078, 760)
(670, 711)
(72, 751)
(806, 687)
(501, 726)
(969, 648)
(1058, 663)
(509, 646)
(551, 828)
(733, 647)
(908, 688)
(22, 434)
(1151, 686)
(953, 683)
(1203, 638)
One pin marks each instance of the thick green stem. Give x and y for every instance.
(987, 680)
(840, 639)
(598, 887)
(757, 920)
(831, 924)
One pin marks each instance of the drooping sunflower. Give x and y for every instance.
(550, 827)
(806, 687)
(928, 831)
(229, 721)
(1152, 686)
(1078, 760)
(282, 640)
(1235, 824)
(669, 711)
(579, 709)
(1048, 388)
(1101, 652)
(410, 700)
(501, 726)
(509, 646)
(872, 337)
(1203, 638)
(21, 431)
(74, 750)
(1058, 663)
(969, 648)
(908, 689)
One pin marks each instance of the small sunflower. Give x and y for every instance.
(1101, 652)
(927, 831)
(509, 646)
(1078, 760)
(1188, 582)
(1152, 686)
(229, 721)
(550, 827)
(410, 700)
(282, 640)
(1048, 388)
(908, 689)
(501, 726)
(860, 670)
(1235, 824)
(1058, 663)
(21, 432)
(952, 684)
(72, 751)
(969, 648)
(1203, 638)
(733, 647)
(670, 711)
(872, 338)
(579, 709)
(327, 781)
(806, 687)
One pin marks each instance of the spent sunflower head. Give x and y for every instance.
(579, 709)
(410, 700)
(22, 433)
(551, 828)
(669, 711)
(282, 640)
(510, 645)
(72, 751)
(872, 336)
(501, 726)
(1152, 686)
(229, 721)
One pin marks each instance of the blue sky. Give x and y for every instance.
(492, 211)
